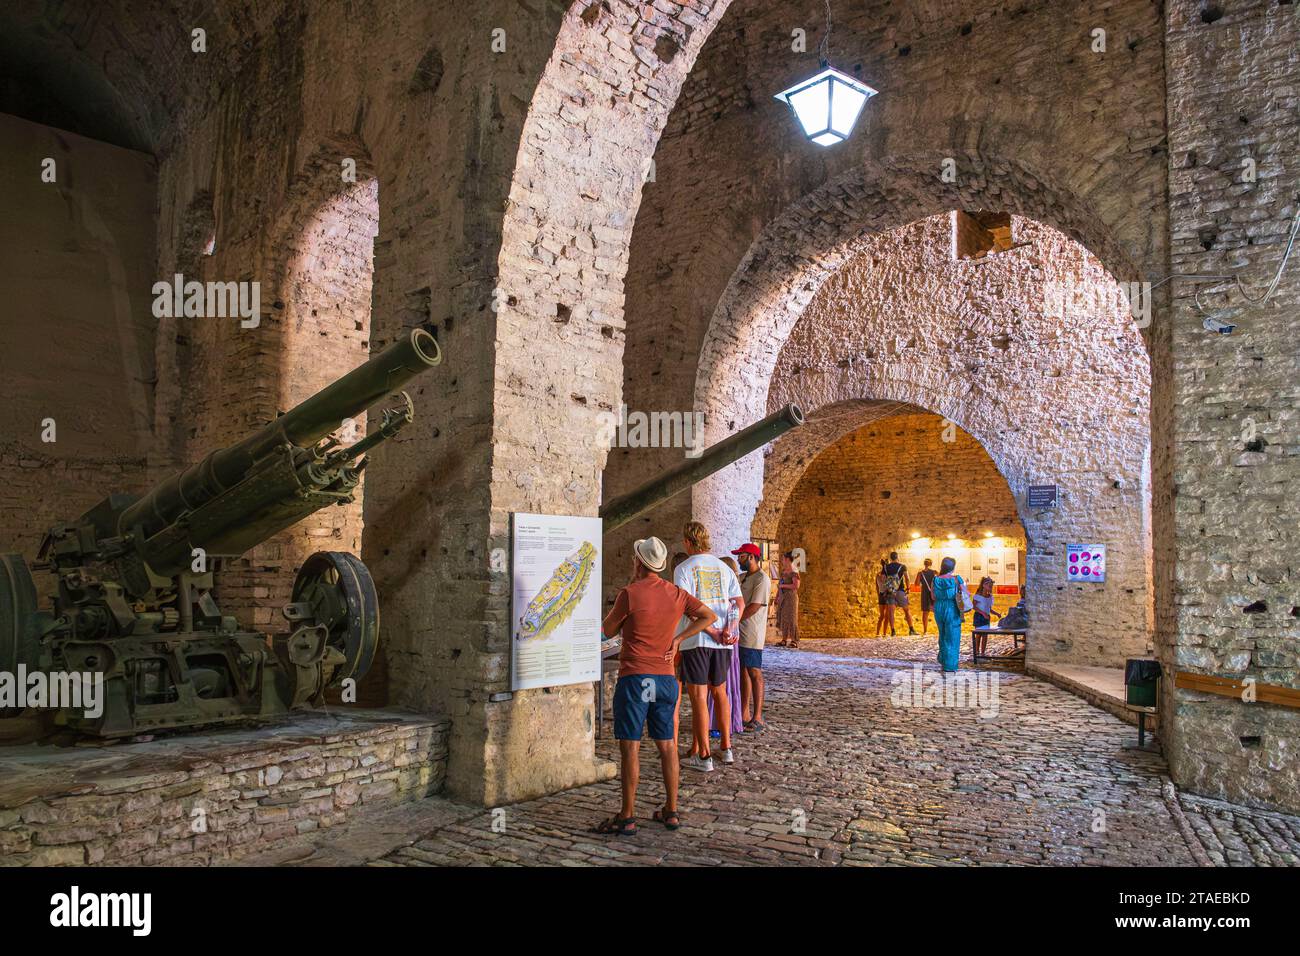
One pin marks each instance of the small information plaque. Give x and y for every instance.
(1042, 496)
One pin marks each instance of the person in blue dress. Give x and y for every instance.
(948, 613)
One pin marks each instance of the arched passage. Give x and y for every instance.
(951, 128)
(902, 480)
(326, 291)
(1032, 352)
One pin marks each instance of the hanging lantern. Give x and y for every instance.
(827, 105)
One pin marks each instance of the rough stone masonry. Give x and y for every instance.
(610, 208)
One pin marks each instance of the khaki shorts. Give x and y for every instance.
(900, 599)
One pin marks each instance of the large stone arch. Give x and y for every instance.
(814, 237)
(876, 477)
(901, 325)
(1063, 134)
(617, 67)
(585, 144)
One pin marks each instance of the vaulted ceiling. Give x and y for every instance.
(121, 71)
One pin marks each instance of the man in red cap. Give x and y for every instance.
(756, 589)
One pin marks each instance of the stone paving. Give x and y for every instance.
(903, 647)
(845, 777)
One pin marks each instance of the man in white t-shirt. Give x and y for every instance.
(706, 657)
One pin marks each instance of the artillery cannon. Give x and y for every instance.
(624, 508)
(135, 607)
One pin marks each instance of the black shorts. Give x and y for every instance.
(706, 665)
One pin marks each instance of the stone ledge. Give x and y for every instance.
(199, 798)
(1100, 686)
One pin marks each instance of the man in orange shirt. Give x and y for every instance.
(647, 613)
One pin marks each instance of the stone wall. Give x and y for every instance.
(1035, 355)
(1230, 547)
(216, 796)
(615, 67)
(865, 496)
(78, 332)
(250, 134)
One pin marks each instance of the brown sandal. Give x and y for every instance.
(619, 826)
(671, 819)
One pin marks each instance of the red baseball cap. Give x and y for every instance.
(749, 548)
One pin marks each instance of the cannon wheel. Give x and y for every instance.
(19, 641)
(341, 594)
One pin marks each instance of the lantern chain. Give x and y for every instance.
(824, 49)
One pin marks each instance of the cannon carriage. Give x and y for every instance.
(135, 606)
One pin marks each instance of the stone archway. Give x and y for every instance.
(896, 480)
(1054, 392)
(593, 121)
(324, 274)
(617, 66)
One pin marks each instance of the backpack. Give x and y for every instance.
(894, 582)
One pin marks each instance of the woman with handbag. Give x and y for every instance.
(951, 602)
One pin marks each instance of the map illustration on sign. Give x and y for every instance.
(559, 596)
(1085, 562)
(555, 600)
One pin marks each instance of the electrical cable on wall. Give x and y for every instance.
(1213, 321)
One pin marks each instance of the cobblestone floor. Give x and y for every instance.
(921, 647)
(845, 777)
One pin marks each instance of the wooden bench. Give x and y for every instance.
(1016, 654)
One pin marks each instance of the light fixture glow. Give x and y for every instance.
(827, 105)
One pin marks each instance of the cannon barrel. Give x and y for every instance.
(304, 425)
(624, 508)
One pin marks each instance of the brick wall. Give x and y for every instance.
(77, 336)
(318, 277)
(1054, 386)
(866, 494)
(414, 93)
(1229, 547)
